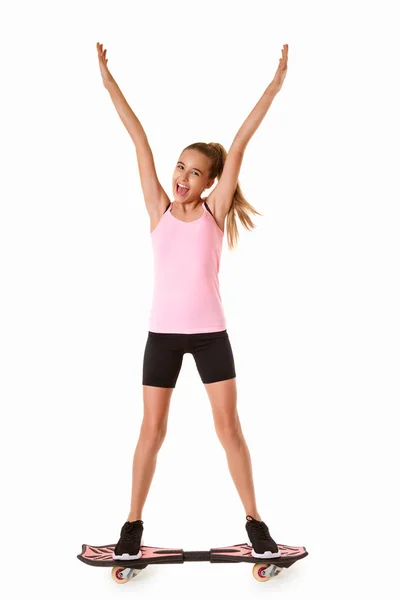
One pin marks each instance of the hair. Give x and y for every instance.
(240, 207)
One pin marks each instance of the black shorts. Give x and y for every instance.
(164, 352)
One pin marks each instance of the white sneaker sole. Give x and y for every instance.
(266, 554)
(127, 556)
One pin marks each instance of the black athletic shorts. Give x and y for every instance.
(164, 352)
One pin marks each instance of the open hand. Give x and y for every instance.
(105, 73)
(281, 70)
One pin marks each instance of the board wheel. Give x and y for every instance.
(258, 572)
(115, 574)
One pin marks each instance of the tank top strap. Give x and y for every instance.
(208, 208)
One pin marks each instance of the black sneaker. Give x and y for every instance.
(128, 546)
(263, 544)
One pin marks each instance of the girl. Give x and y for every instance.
(186, 313)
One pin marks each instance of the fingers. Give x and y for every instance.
(283, 60)
(101, 52)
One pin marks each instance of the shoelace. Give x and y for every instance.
(132, 531)
(260, 529)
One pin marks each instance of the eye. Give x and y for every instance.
(195, 173)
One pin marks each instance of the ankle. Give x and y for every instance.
(255, 515)
(133, 516)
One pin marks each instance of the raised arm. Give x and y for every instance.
(154, 195)
(221, 197)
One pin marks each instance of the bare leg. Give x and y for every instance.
(154, 428)
(223, 397)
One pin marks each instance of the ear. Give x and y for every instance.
(210, 184)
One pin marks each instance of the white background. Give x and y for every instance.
(311, 295)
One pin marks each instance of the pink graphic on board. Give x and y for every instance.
(245, 550)
(105, 553)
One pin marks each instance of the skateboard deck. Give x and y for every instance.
(123, 570)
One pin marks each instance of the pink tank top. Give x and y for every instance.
(186, 296)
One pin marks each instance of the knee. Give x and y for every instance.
(229, 432)
(153, 434)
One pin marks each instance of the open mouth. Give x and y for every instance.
(180, 190)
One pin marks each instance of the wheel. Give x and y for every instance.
(130, 573)
(115, 574)
(259, 572)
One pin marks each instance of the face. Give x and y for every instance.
(191, 171)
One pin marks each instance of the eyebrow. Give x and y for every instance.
(182, 163)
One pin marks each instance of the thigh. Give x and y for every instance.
(223, 400)
(156, 403)
(213, 355)
(162, 359)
